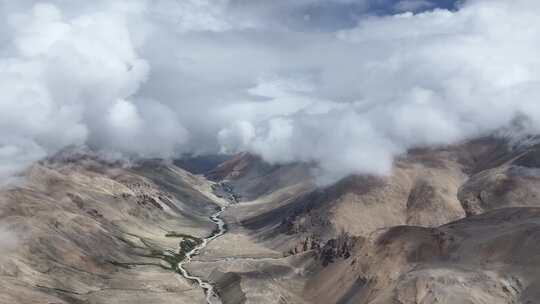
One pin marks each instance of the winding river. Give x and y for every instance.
(211, 296)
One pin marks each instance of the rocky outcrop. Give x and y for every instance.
(338, 248)
(331, 250)
(309, 243)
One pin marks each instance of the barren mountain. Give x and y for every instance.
(89, 232)
(486, 258)
(449, 225)
(405, 237)
(422, 190)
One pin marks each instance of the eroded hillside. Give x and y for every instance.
(410, 237)
(450, 225)
(85, 231)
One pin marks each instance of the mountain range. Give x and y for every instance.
(452, 224)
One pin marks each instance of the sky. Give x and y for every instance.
(345, 84)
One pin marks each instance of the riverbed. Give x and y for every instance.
(211, 296)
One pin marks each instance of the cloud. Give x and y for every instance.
(409, 80)
(66, 80)
(347, 85)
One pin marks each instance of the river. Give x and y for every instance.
(211, 296)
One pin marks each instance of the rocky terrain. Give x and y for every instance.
(452, 224)
(84, 231)
(449, 225)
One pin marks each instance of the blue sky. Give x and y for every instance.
(329, 15)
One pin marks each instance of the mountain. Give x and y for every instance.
(487, 258)
(85, 231)
(445, 227)
(453, 224)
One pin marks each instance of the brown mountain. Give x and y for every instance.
(454, 224)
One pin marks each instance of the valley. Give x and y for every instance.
(269, 152)
(211, 296)
(454, 224)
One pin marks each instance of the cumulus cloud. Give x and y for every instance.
(67, 80)
(344, 84)
(431, 78)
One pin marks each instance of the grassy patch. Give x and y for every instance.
(123, 265)
(173, 234)
(133, 264)
(187, 244)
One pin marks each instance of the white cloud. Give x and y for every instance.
(237, 137)
(159, 78)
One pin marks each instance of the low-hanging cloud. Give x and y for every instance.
(162, 78)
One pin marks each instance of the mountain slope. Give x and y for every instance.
(80, 227)
(481, 259)
(454, 224)
(404, 238)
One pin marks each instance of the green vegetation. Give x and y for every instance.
(130, 265)
(187, 244)
(123, 265)
(185, 237)
(173, 234)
